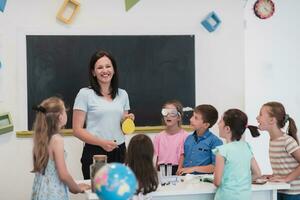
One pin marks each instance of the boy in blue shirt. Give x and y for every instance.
(198, 156)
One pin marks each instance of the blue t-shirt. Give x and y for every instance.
(198, 149)
(236, 178)
(103, 117)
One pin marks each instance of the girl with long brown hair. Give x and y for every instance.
(139, 158)
(52, 179)
(284, 149)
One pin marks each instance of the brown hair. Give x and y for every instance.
(208, 112)
(178, 107)
(237, 121)
(45, 125)
(277, 111)
(139, 158)
(93, 80)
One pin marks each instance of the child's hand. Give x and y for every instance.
(278, 179)
(84, 187)
(129, 115)
(178, 171)
(187, 170)
(266, 176)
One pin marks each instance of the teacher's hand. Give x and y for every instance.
(108, 145)
(83, 187)
(128, 115)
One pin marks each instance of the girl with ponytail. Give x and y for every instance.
(52, 179)
(284, 150)
(236, 166)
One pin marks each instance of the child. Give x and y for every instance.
(284, 150)
(168, 144)
(52, 178)
(234, 160)
(140, 159)
(198, 156)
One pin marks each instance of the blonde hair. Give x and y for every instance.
(45, 125)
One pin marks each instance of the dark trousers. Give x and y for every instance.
(117, 155)
(281, 196)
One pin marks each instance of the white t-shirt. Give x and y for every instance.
(103, 117)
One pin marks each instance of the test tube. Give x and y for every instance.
(162, 170)
(169, 169)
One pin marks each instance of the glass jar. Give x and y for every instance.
(98, 162)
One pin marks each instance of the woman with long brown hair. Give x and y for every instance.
(102, 107)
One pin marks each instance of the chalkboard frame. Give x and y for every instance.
(186, 36)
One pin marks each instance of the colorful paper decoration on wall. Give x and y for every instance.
(74, 5)
(211, 22)
(5, 123)
(2, 5)
(130, 3)
(1, 71)
(2, 93)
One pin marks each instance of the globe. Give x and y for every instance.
(115, 181)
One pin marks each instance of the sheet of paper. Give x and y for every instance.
(130, 3)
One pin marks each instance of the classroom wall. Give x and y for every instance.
(219, 62)
(271, 67)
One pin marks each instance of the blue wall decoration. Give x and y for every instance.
(211, 22)
(2, 5)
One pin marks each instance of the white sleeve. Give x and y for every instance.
(81, 100)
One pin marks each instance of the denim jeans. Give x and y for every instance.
(281, 196)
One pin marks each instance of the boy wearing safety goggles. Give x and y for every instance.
(168, 144)
(198, 155)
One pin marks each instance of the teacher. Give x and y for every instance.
(102, 106)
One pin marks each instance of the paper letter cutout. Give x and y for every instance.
(2, 5)
(130, 3)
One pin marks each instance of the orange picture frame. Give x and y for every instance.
(60, 14)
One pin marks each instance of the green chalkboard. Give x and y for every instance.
(152, 69)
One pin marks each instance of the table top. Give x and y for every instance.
(194, 186)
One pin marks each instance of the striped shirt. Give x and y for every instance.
(282, 161)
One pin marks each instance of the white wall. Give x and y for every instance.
(219, 61)
(272, 66)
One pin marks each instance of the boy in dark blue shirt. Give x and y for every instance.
(198, 156)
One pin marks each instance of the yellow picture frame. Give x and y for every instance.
(61, 11)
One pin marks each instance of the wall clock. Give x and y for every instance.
(264, 9)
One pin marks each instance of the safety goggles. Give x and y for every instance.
(171, 112)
